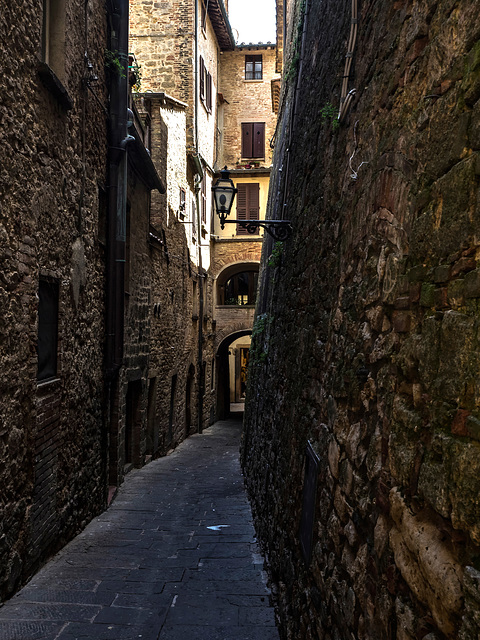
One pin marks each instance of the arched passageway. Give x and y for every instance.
(232, 362)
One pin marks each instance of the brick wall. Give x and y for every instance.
(366, 343)
(248, 100)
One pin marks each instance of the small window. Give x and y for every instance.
(212, 375)
(47, 329)
(182, 204)
(203, 16)
(241, 289)
(194, 222)
(53, 36)
(253, 140)
(203, 201)
(253, 67)
(202, 78)
(209, 90)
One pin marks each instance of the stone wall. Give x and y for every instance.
(365, 343)
(52, 469)
(247, 100)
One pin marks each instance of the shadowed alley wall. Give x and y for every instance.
(367, 329)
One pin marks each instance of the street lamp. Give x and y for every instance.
(224, 193)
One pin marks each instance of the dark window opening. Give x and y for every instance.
(209, 89)
(253, 67)
(202, 78)
(203, 201)
(241, 289)
(253, 140)
(48, 291)
(182, 204)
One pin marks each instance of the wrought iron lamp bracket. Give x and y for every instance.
(280, 230)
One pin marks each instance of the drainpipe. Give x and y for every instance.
(201, 285)
(198, 179)
(117, 191)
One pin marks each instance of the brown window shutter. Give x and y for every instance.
(247, 139)
(202, 78)
(258, 140)
(253, 201)
(242, 206)
(209, 92)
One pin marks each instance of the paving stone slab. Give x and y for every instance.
(38, 594)
(194, 632)
(48, 611)
(29, 630)
(106, 632)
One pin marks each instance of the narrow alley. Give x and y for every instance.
(173, 557)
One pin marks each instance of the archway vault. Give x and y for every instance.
(232, 332)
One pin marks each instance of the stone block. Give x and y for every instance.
(427, 295)
(401, 321)
(441, 273)
(417, 273)
(464, 264)
(472, 284)
(473, 427)
(459, 425)
(426, 563)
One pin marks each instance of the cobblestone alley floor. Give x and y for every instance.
(174, 557)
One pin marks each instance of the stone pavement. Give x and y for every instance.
(174, 557)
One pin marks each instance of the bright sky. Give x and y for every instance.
(252, 20)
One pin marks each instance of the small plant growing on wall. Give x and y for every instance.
(276, 255)
(329, 113)
(113, 64)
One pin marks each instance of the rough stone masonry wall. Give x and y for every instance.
(51, 470)
(367, 338)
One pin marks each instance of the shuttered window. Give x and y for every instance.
(208, 99)
(202, 78)
(253, 67)
(253, 139)
(248, 204)
(203, 201)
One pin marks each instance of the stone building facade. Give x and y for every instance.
(361, 446)
(52, 253)
(197, 105)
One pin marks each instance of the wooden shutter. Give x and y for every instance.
(248, 204)
(247, 139)
(253, 201)
(241, 207)
(209, 92)
(258, 140)
(202, 78)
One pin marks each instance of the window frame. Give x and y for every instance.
(253, 140)
(248, 192)
(251, 284)
(254, 59)
(48, 329)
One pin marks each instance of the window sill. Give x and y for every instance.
(54, 85)
(253, 80)
(49, 383)
(235, 306)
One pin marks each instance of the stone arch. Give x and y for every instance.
(241, 327)
(222, 344)
(230, 270)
